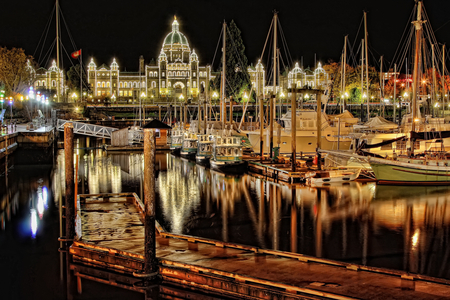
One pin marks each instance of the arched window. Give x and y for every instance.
(187, 84)
(53, 83)
(163, 84)
(169, 84)
(170, 73)
(163, 74)
(143, 84)
(43, 83)
(178, 73)
(121, 85)
(153, 84)
(194, 84)
(103, 84)
(108, 84)
(99, 84)
(183, 73)
(156, 74)
(193, 74)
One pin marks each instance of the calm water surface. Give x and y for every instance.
(404, 228)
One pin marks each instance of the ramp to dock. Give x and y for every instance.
(87, 129)
(109, 248)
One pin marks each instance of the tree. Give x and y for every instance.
(73, 79)
(236, 72)
(16, 70)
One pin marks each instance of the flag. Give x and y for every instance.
(76, 54)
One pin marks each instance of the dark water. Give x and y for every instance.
(404, 228)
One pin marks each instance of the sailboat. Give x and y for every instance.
(426, 168)
(227, 153)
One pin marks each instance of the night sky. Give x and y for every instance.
(127, 29)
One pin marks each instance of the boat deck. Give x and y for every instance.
(110, 237)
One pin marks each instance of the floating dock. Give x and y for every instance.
(109, 248)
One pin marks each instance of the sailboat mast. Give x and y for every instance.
(272, 117)
(344, 64)
(222, 92)
(443, 74)
(433, 94)
(57, 51)
(367, 64)
(418, 24)
(395, 88)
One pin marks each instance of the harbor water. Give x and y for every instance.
(395, 227)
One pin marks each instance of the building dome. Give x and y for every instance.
(175, 37)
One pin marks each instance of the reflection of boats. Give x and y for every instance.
(335, 130)
(227, 154)
(331, 176)
(176, 139)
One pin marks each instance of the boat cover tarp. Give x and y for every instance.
(378, 123)
(370, 146)
(430, 135)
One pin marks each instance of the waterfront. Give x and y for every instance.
(405, 228)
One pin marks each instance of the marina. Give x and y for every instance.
(235, 178)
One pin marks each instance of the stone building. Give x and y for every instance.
(175, 76)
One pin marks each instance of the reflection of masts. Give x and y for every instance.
(293, 220)
(57, 51)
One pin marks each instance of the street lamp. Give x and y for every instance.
(74, 97)
(113, 98)
(245, 97)
(10, 105)
(181, 98)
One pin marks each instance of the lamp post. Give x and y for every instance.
(113, 99)
(11, 100)
(74, 97)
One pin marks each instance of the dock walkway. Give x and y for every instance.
(109, 248)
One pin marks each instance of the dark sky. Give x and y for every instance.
(127, 29)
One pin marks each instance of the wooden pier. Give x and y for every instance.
(109, 248)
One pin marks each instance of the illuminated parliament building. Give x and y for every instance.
(176, 74)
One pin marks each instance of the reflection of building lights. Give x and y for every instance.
(45, 196)
(33, 222)
(415, 238)
(40, 206)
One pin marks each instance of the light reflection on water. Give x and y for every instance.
(404, 228)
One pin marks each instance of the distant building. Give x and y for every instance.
(302, 78)
(46, 81)
(176, 73)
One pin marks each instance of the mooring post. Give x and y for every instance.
(70, 183)
(70, 204)
(150, 263)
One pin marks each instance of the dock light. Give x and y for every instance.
(436, 104)
(405, 94)
(215, 95)
(143, 95)
(416, 120)
(181, 97)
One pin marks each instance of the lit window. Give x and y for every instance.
(163, 84)
(103, 84)
(153, 84)
(107, 84)
(194, 84)
(121, 93)
(98, 84)
(121, 84)
(99, 93)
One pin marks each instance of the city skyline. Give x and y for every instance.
(312, 31)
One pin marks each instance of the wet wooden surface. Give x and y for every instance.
(117, 224)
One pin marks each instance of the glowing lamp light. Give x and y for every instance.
(416, 120)
(143, 95)
(34, 223)
(215, 95)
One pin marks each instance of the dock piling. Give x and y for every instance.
(150, 263)
(70, 183)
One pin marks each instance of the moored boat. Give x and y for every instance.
(189, 145)
(227, 155)
(176, 139)
(332, 176)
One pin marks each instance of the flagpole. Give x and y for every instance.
(81, 76)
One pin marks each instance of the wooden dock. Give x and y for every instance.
(109, 248)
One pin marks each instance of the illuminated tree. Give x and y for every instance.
(16, 70)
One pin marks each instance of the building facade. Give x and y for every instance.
(317, 79)
(46, 81)
(176, 75)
